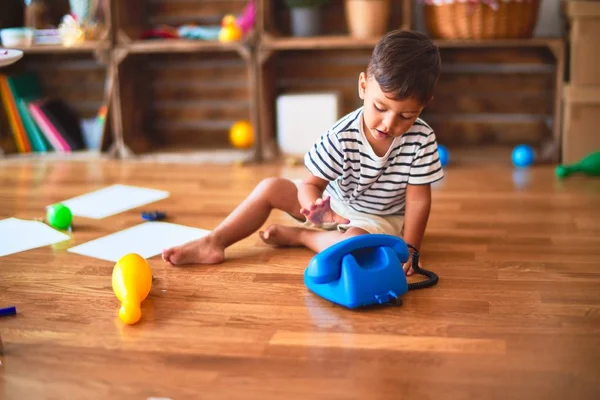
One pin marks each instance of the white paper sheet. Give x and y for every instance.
(147, 240)
(112, 200)
(18, 235)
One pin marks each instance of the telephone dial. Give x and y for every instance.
(364, 270)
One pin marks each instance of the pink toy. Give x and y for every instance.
(247, 18)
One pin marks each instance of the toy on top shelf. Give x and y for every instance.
(247, 18)
(230, 30)
(71, 31)
(589, 165)
(187, 32)
(234, 29)
(83, 20)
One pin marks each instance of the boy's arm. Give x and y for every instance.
(310, 190)
(314, 208)
(418, 205)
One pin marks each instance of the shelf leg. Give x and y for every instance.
(266, 101)
(118, 147)
(553, 151)
(263, 56)
(406, 15)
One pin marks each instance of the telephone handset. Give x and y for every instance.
(364, 270)
(326, 266)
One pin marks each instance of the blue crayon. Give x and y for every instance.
(5, 312)
(154, 216)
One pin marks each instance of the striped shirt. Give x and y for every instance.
(369, 183)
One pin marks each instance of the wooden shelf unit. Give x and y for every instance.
(181, 46)
(274, 43)
(176, 98)
(86, 47)
(182, 100)
(82, 79)
(79, 74)
(491, 92)
(274, 18)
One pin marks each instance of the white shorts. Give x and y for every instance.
(389, 225)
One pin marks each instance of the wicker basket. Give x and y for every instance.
(468, 19)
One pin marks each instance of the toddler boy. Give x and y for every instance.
(369, 173)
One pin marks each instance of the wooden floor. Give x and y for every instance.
(516, 314)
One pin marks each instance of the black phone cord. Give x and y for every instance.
(432, 276)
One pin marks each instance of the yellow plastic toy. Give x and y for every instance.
(241, 135)
(230, 30)
(131, 282)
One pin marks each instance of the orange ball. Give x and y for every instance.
(241, 135)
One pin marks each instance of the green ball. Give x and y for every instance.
(560, 171)
(59, 216)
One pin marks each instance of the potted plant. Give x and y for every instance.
(367, 18)
(306, 16)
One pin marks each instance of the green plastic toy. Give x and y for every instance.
(589, 165)
(59, 216)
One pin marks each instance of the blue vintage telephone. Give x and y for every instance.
(364, 270)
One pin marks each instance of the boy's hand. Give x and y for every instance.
(408, 270)
(320, 212)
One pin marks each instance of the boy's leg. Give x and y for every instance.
(317, 241)
(248, 217)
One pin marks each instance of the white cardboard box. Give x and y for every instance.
(585, 32)
(302, 118)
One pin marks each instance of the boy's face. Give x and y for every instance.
(386, 118)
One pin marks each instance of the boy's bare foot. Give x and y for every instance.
(205, 250)
(279, 235)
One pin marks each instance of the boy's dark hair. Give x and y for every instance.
(406, 64)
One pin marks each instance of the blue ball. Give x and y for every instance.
(522, 156)
(443, 153)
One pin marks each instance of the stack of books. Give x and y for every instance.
(38, 123)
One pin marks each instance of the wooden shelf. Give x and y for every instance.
(487, 43)
(188, 74)
(272, 42)
(179, 154)
(311, 43)
(180, 46)
(86, 47)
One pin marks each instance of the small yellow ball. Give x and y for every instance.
(241, 135)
